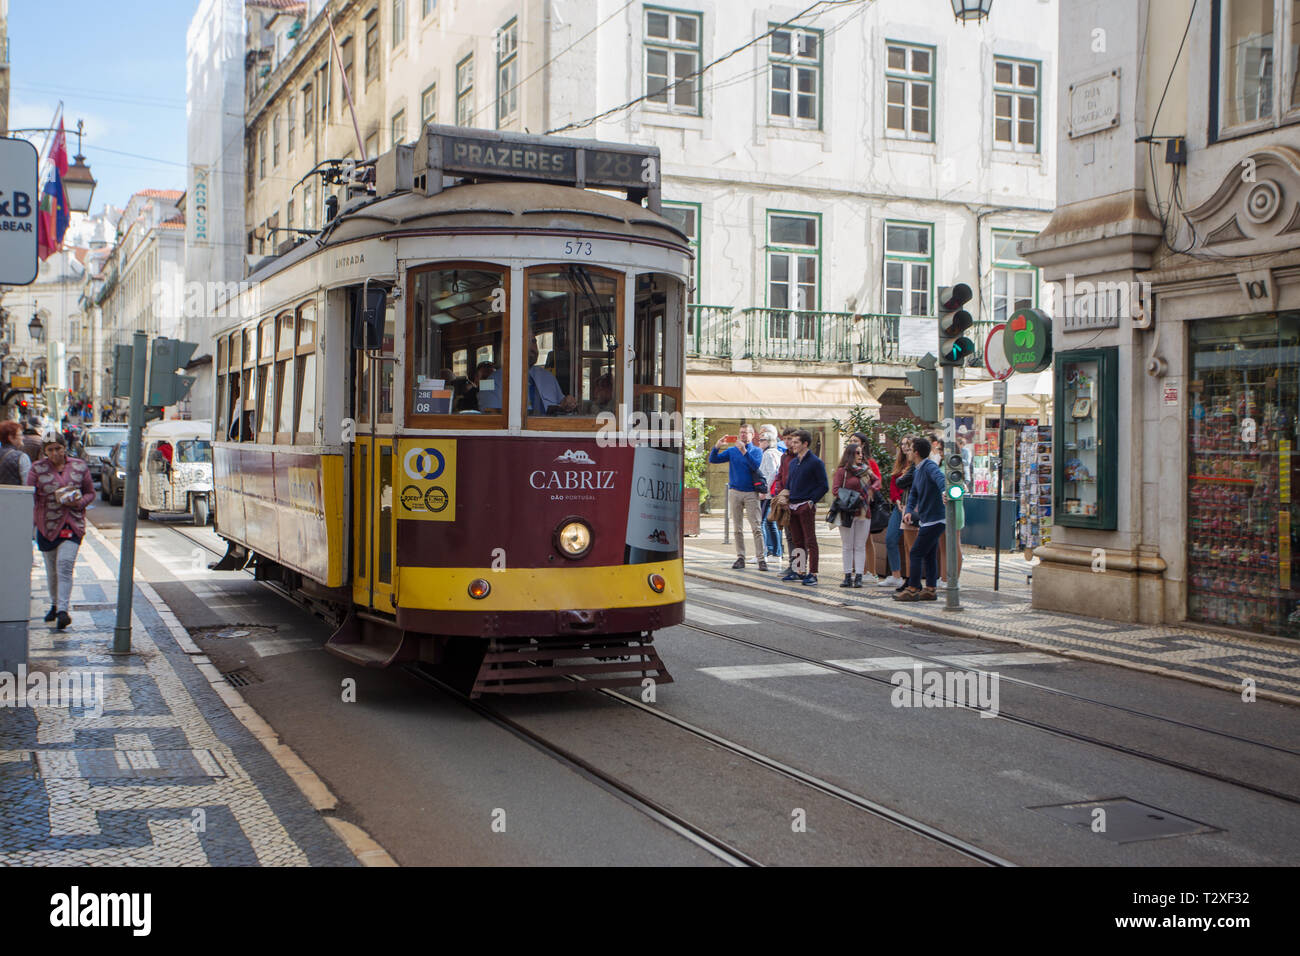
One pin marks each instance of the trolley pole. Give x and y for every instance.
(130, 500)
(952, 598)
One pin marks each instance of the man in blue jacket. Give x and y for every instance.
(743, 460)
(925, 510)
(806, 481)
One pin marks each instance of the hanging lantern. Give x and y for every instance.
(968, 10)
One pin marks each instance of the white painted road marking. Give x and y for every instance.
(864, 664)
(790, 608)
(750, 671)
(703, 615)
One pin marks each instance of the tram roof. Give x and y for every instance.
(501, 205)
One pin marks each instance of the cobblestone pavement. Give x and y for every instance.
(161, 772)
(1217, 658)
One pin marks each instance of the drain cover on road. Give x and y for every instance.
(241, 677)
(1125, 821)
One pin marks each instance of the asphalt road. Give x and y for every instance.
(428, 779)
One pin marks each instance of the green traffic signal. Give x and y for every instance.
(955, 492)
(956, 351)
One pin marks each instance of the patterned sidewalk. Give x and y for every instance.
(169, 773)
(1215, 658)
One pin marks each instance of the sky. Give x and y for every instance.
(118, 66)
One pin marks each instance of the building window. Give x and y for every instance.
(1015, 281)
(372, 145)
(793, 272)
(309, 205)
(399, 22)
(276, 125)
(672, 60)
(909, 91)
(1253, 87)
(429, 105)
(507, 46)
(372, 47)
(308, 112)
(250, 164)
(795, 71)
(348, 85)
(261, 154)
(399, 127)
(428, 8)
(1015, 104)
(909, 260)
(465, 91)
(291, 122)
(686, 217)
(323, 84)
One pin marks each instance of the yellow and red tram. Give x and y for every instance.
(455, 415)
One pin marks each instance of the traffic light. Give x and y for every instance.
(122, 371)
(925, 382)
(954, 346)
(165, 386)
(956, 476)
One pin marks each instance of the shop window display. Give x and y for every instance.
(1243, 397)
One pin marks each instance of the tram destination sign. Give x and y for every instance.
(455, 151)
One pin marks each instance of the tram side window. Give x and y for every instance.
(284, 377)
(266, 383)
(305, 378)
(657, 371)
(458, 313)
(223, 380)
(572, 338)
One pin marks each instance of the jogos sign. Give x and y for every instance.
(1027, 340)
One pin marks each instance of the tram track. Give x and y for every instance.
(657, 810)
(1014, 718)
(1004, 678)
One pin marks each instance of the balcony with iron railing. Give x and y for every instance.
(788, 335)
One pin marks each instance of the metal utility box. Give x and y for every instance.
(15, 573)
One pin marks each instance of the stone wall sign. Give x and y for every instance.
(1094, 104)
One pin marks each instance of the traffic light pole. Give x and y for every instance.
(130, 501)
(952, 598)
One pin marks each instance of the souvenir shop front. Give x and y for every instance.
(1243, 523)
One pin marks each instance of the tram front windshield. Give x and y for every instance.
(458, 328)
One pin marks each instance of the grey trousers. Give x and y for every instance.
(746, 503)
(58, 572)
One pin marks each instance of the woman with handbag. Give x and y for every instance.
(63, 490)
(900, 482)
(854, 474)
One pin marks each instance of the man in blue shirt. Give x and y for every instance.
(927, 511)
(743, 460)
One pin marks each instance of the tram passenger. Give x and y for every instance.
(545, 396)
(470, 390)
(602, 395)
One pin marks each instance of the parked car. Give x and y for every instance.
(176, 470)
(112, 482)
(97, 444)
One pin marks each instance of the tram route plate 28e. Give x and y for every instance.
(426, 490)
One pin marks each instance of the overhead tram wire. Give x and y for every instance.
(792, 22)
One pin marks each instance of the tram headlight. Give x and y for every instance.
(479, 589)
(573, 538)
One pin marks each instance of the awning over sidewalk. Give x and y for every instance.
(774, 396)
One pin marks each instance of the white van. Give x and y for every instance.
(176, 470)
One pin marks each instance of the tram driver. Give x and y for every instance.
(545, 396)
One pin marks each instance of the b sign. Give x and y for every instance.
(18, 203)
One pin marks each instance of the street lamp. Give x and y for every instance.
(78, 183)
(35, 327)
(968, 10)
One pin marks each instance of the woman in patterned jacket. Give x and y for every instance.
(63, 490)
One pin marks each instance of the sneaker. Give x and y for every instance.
(848, 581)
(740, 563)
(54, 612)
(790, 576)
(892, 581)
(928, 594)
(64, 619)
(866, 580)
(942, 583)
(762, 564)
(908, 594)
(810, 580)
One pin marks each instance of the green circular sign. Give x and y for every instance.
(1027, 340)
